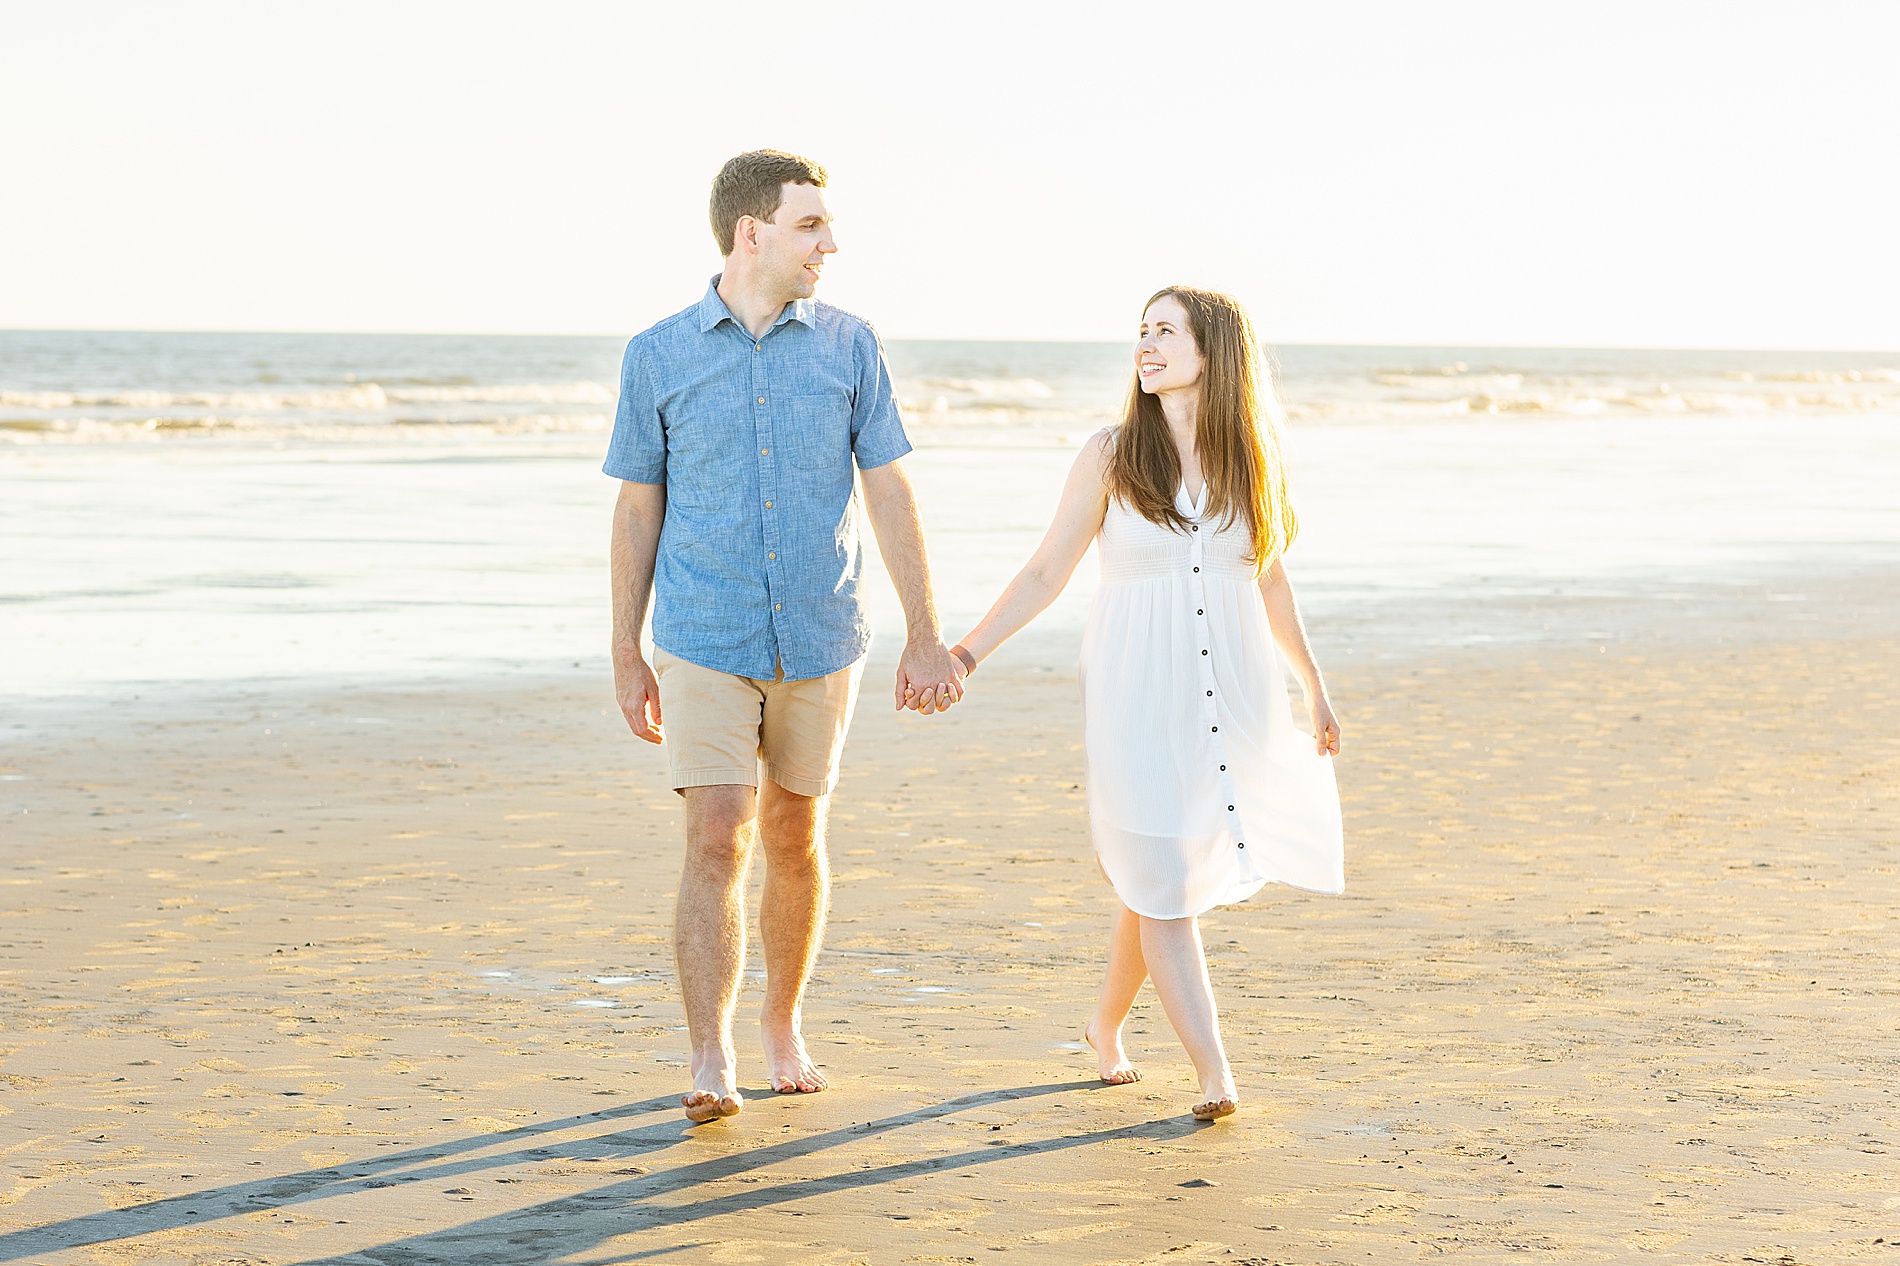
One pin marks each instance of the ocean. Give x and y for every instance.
(223, 508)
(77, 387)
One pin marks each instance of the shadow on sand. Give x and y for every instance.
(572, 1224)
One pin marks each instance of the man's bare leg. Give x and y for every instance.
(709, 939)
(791, 924)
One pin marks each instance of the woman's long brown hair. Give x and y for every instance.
(1236, 434)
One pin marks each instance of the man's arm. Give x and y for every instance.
(638, 514)
(929, 677)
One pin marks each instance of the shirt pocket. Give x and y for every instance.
(821, 432)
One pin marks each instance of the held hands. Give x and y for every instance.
(929, 678)
(638, 692)
(1325, 726)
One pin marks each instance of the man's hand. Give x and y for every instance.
(929, 678)
(638, 691)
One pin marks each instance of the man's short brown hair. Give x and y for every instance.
(752, 184)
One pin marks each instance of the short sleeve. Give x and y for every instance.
(637, 451)
(877, 430)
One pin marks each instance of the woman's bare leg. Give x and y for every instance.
(1122, 981)
(1178, 965)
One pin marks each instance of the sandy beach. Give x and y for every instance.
(383, 976)
(337, 898)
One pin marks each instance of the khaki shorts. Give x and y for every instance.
(720, 727)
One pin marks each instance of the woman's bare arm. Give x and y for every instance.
(1078, 518)
(1283, 616)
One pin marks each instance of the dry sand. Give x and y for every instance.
(293, 979)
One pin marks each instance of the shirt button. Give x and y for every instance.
(761, 399)
(1230, 808)
(1240, 845)
(1197, 569)
(755, 347)
(1223, 768)
(1203, 652)
(1210, 694)
(1197, 527)
(1199, 611)
(768, 505)
(771, 555)
(1215, 729)
(765, 452)
(778, 606)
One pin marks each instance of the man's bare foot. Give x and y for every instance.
(715, 1094)
(1111, 1061)
(788, 1063)
(1221, 1098)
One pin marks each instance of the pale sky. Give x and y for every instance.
(1653, 174)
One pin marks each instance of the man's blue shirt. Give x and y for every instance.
(759, 559)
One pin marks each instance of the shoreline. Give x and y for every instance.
(1824, 600)
(269, 565)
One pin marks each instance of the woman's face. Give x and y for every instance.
(1166, 358)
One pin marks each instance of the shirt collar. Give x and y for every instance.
(713, 310)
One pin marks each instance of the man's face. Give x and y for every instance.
(794, 243)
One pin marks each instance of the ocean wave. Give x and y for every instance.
(91, 430)
(359, 397)
(943, 395)
(1838, 377)
(1467, 381)
(525, 393)
(990, 388)
(1611, 402)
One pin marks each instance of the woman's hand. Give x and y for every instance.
(1325, 726)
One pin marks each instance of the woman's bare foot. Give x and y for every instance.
(1220, 1098)
(715, 1093)
(1111, 1061)
(789, 1064)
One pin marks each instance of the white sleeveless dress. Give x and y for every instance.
(1201, 788)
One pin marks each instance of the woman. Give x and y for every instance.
(1201, 788)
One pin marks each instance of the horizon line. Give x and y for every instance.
(1097, 342)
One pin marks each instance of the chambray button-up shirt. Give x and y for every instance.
(759, 558)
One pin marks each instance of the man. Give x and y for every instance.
(740, 419)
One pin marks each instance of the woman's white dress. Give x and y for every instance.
(1201, 788)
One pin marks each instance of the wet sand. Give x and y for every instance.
(383, 976)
